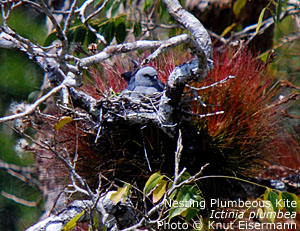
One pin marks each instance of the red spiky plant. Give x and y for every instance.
(250, 130)
(108, 74)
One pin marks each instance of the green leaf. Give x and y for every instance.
(72, 223)
(137, 29)
(297, 201)
(280, 204)
(147, 4)
(228, 29)
(260, 19)
(107, 29)
(174, 193)
(159, 191)
(278, 11)
(238, 6)
(115, 8)
(90, 38)
(78, 35)
(288, 198)
(120, 31)
(163, 12)
(95, 220)
(108, 6)
(266, 194)
(273, 197)
(188, 198)
(121, 194)
(264, 56)
(154, 179)
(50, 38)
(176, 211)
(184, 177)
(62, 122)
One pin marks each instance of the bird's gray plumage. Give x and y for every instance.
(144, 82)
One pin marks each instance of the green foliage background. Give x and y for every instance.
(18, 77)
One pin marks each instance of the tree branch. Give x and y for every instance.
(31, 108)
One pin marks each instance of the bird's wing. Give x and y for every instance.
(127, 76)
(131, 85)
(144, 90)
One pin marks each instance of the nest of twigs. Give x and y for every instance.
(117, 144)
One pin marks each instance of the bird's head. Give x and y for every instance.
(146, 75)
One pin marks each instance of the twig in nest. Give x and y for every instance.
(145, 151)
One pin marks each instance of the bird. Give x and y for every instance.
(129, 75)
(144, 82)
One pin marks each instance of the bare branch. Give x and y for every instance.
(175, 41)
(69, 18)
(138, 45)
(84, 19)
(61, 36)
(94, 13)
(192, 24)
(31, 108)
(178, 154)
(250, 32)
(212, 85)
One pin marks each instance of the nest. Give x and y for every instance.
(123, 107)
(118, 141)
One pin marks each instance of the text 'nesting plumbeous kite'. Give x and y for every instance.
(143, 82)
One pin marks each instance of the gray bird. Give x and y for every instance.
(129, 75)
(145, 82)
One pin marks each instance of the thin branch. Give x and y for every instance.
(94, 13)
(178, 154)
(69, 18)
(61, 36)
(145, 150)
(212, 85)
(249, 31)
(128, 47)
(192, 24)
(84, 19)
(34, 5)
(31, 108)
(175, 41)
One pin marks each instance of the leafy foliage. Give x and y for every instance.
(72, 223)
(18, 77)
(280, 201)
(251, 122)
(121, 194)
(184, 200)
